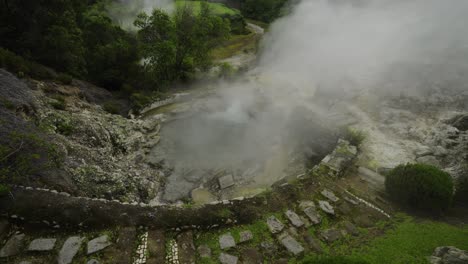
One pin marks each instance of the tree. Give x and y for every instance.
(173, 47)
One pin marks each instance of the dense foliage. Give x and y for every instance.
(420, 186)
(173, 47)
(79, 38)
(263, 10)
(461, 194)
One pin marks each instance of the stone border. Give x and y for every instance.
(37, 205)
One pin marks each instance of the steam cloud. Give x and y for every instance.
(124, 12)
(325, 52)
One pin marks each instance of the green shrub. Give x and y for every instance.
(226, 70)
(64, 78)
(140, 100)
(420, 186)
(59, 102)
(334, 260)
(21, 67)
(354, 136)
(111, 107)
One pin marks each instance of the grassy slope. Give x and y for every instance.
(218, 9)
(412, 242)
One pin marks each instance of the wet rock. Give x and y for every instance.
(228, 259)
(245, 236)
(274, 225)
(340, 158)
(294, 218)
(449, 255)
(227, 241)
(330, 235)
(13, 246)
(204, 251)
(351, 229)
(69, 249)
(326, 207)
(330, 195)
(251, 256)
(291, 244)
(98, 244)
(313, 243)
(226, 182)
(313, 215)
(42, 244)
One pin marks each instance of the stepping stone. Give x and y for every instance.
(98, 244)
(121, 252)
(363, 221)
(344, 208)
(274, 225)
(186, 247)
(42, 244)
(13, 246)
(204, 251)
(93, 261)
(245, 236)
(294, 218)
(306, 204)
(291, 244)
(351, 229)
(251, 256)
(351, 200)
(313, 243)
(313, 215)
(69, 249)
(227, 241)
(228, 259)
(330, 196)
(330, 235)
(226, 182)
(326, 207)
(156, 247)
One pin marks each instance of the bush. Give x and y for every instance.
(59, 102)
(21, 67)
(420, 186)
(64, 78)
(354, 136)
(111, 107)
(334, 260)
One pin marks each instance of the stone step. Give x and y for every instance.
(187, 251)
(156, 247)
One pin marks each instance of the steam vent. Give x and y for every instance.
(234, 132)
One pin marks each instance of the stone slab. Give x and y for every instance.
(70, 248)
(294, 218)
(98, 244)
(227, 241)
(42, 244)
(13, 246)
(274, 225)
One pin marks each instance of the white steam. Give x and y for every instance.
(124, 12)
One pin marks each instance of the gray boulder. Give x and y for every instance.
(294, 218)
(449, 255)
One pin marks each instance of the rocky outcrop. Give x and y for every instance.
(449, 255)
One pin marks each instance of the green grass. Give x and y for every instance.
(235, 45)
(218, 8)
(412, 242)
